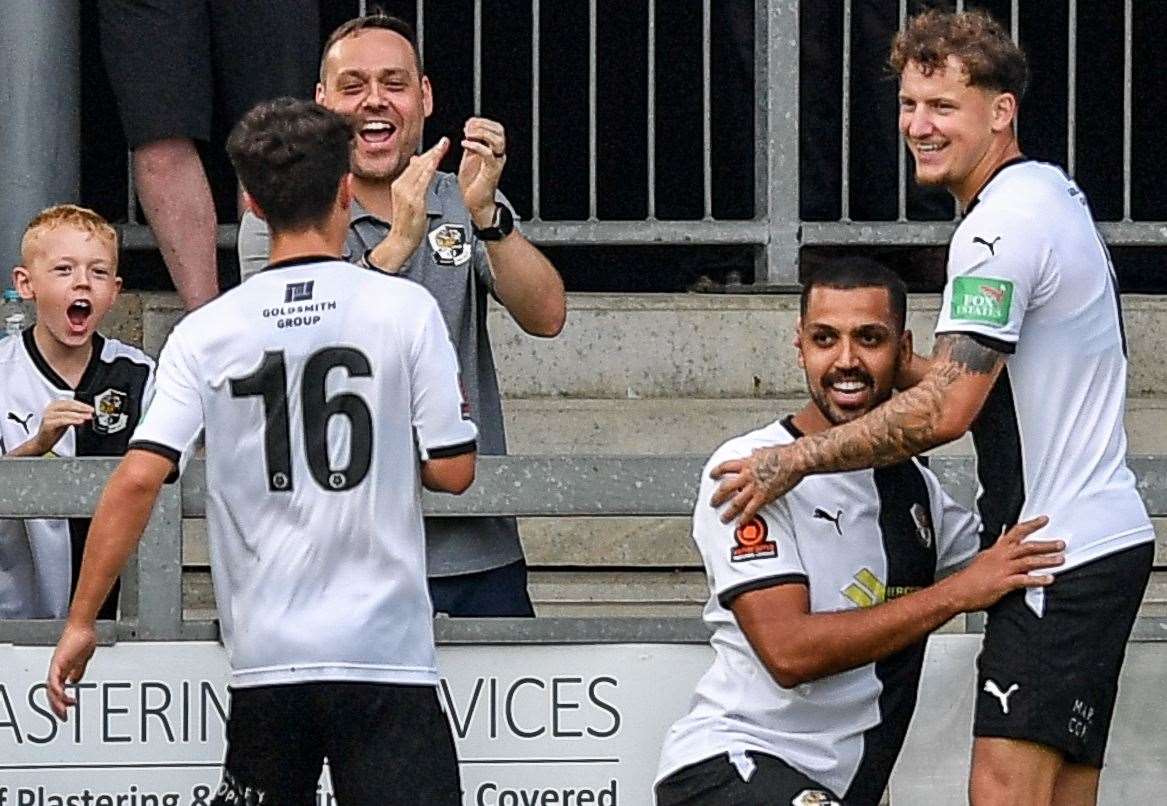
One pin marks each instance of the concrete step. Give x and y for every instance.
(694, 345)
(671, 345)
(661, 426)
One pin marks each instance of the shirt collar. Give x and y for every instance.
(433, 207)
(1006, 164)
(46, 370)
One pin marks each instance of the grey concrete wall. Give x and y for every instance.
(717, 346)
(631, 346)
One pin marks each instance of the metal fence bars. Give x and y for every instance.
(777, 229)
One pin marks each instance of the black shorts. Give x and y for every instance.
(386, 745)
(495, 592)
(168, 61)
(1053, 680)
(717, 782)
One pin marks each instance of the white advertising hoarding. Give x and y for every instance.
(534, 724)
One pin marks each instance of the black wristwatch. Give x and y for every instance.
(502, 225)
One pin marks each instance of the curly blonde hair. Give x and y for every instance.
(990, 58)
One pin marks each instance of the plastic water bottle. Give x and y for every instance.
(12, 312)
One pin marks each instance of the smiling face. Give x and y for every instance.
(372, 77)
(850, 347)
(951, 127)
(72, 275)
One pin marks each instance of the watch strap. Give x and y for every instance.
(502, 226)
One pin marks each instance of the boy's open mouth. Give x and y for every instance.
(79, 312)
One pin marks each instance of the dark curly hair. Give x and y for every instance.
(290, 156)
(991, 59)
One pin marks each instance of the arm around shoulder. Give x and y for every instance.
(958, 379)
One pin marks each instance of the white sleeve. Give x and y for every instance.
(739, 559)
(174, 419)
(148, 387)
(998, 269)
(958, 530)
(439, 413)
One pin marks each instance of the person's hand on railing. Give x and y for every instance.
(70, 658)
(483, 158)
(408, 227)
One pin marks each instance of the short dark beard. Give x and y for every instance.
(374, 177)
(818, 395)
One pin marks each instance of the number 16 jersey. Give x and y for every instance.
(321, 387)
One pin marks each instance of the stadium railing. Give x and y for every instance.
(777, 229)
(37, 174)
(559, 486)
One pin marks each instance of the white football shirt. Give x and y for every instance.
(1029, 274)
(855, 539)
(40, 558)
(321, 386)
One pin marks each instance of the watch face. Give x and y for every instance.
(502, 226)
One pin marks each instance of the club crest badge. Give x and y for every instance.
(451, 248)
(814, 797)
(111, 411)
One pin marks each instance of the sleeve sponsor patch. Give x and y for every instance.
(981, 299)
(751, 542)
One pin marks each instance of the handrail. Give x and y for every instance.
(565, 486)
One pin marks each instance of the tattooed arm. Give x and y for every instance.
(938, 409)
(912, 371)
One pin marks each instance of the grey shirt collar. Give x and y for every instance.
(433, 207)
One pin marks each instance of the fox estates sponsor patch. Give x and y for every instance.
(750, 542)
(981, 299)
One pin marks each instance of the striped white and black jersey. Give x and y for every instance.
(855, 539)
(40, 559)
(1029, 275)
(321, 387)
